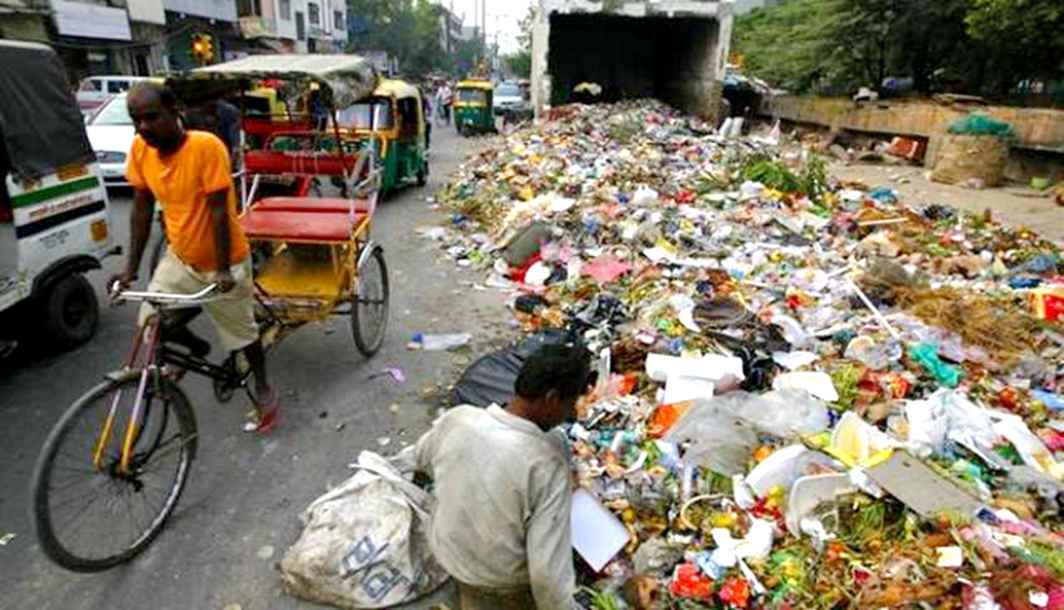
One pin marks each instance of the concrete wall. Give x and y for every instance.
(671, 50)
(1037, 129)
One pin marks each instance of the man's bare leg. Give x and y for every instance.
(257, 360)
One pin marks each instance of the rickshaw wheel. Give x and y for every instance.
(422, 174)
(369, 306)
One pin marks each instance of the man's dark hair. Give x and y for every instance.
(167, 97)
(565, 368)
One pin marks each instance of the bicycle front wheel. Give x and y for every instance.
(91, 514)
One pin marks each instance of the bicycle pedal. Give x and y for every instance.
(173, 373)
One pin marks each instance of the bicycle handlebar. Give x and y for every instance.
(166, 298)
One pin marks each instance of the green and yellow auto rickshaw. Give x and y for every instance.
(395, 117)
(473, 107)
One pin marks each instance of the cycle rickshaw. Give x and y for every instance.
(130, 440)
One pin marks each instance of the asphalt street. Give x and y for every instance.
(240, 510)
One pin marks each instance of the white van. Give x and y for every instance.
(93, 91)
(54, 211)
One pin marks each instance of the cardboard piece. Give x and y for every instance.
(679, 388)
(920, 488)
(726, 372)
(597, 535)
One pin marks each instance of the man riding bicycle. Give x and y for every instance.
(188, 173)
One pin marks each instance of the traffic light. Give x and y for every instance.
(202, 48)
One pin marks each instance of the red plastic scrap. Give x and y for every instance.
(606, 268)
(517, 274)
(688, 582)
(735, 592)
(684, 197)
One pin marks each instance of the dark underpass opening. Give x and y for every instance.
(671, 59)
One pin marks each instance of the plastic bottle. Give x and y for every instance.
(442, 342)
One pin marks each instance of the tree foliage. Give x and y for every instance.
(520, 62)
(407, 29)
(834, 46)
(468, 54)
(1028, 35)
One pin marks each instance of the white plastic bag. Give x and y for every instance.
(723, 431)
(364, 543)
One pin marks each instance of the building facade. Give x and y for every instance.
(295, 26)
(150, 37)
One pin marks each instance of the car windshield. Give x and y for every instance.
(113, 113)
(357, 116)
(508, 91)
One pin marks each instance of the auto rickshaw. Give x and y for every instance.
(473, 107)
(54, 211)
(395, 114)
(265, 113)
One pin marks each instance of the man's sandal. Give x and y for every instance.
(267, 413)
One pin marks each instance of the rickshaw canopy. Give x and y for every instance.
(33, 83)
(348, 78)
(396, 88)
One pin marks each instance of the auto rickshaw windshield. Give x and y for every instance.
(358, 116)
(474, 96)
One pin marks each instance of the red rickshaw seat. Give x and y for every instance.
(311, 204)
(277, 225)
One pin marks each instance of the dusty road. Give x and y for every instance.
(240, 510)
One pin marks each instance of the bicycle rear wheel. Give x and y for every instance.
(90, 519)
(369, 308)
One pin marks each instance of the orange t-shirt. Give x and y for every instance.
(181, 184)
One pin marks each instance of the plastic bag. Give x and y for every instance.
(979, 124)
(364, 543)
(723, 431)
(926, 355)
(948, 415)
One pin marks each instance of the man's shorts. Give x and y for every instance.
(233, 313)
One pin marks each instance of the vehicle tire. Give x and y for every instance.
(168, 414)
(423, 175)
(71, 312)
(369, 304)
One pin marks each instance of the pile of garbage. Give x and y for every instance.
(812, 395)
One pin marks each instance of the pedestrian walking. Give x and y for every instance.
(444, 99)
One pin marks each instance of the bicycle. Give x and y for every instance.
(140, 427)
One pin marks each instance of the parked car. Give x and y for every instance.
(111, 133)
(93, 91)
(508, 97)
